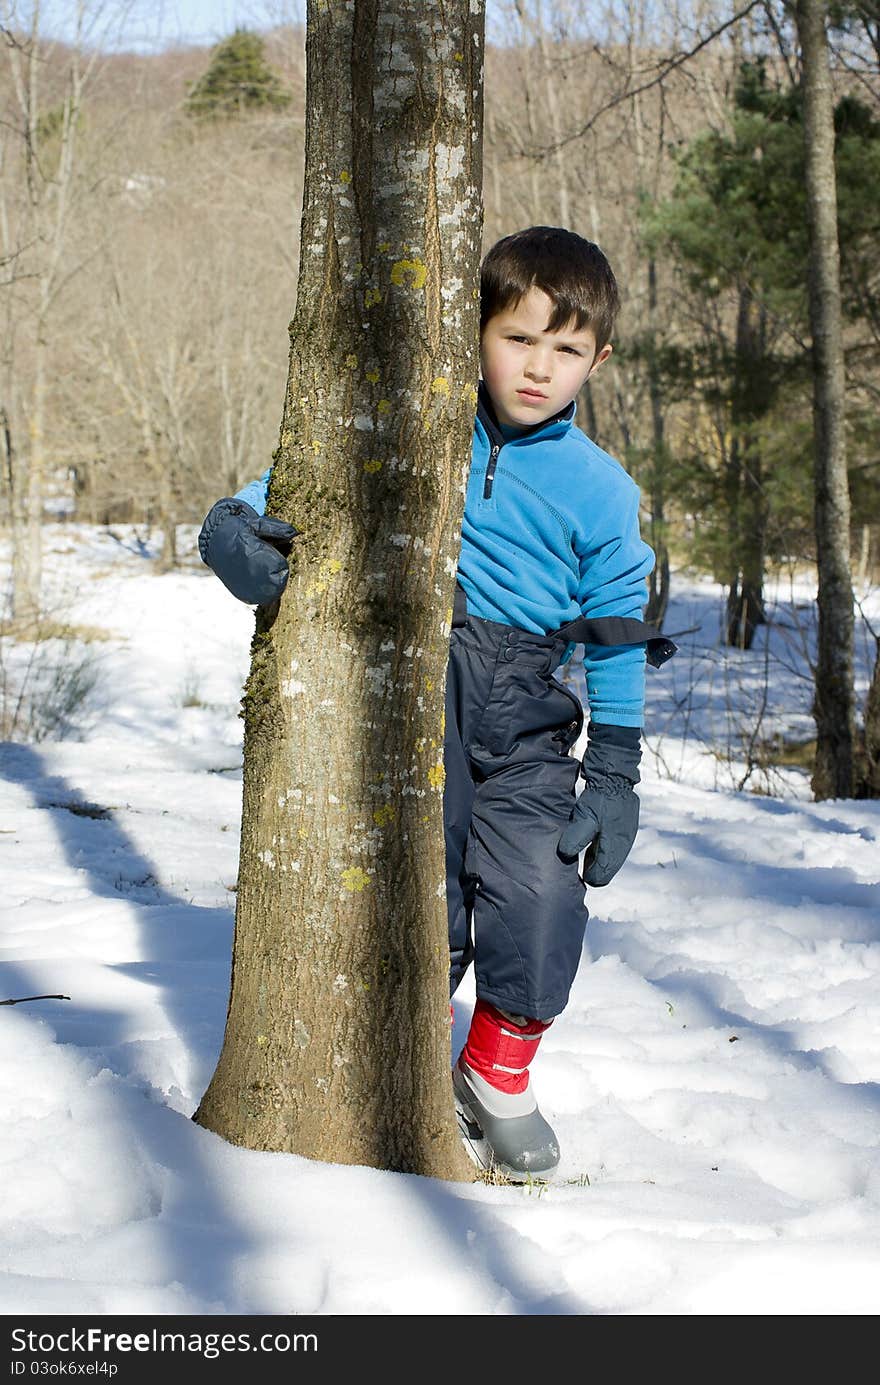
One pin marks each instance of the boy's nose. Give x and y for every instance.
(538, 368)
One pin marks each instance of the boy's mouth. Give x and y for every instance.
(531, 394)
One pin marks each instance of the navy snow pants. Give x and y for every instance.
(516, 908)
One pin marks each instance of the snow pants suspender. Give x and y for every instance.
(608, 630)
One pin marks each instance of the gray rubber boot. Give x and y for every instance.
(501, 1131)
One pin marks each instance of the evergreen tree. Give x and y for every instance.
(237, 79)
(736, 227)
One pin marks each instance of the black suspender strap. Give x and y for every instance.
(610, 630)
(459, 607)
(607, 630)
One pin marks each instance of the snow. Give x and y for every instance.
(713, 1082)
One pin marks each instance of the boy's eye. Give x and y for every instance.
(570, 349)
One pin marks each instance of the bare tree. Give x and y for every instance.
(38, 201)
(337, 1037)
(185, 306)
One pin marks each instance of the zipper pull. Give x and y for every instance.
(490, 470)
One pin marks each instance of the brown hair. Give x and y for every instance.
(573, 272)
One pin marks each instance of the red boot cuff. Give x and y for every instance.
(501, 1051)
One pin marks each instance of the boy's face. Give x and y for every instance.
(531, 373)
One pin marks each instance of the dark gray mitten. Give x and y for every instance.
(247, 551)
(605, 818)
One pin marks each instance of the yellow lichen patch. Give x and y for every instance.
(436, 776)
(354, 879)
(382, 816)
(421, 743)
(262, 1040)
(409, 274)
(286, 438)
(373, 465)
(384, 246)
(384, 406)
(371, 297)
(458, 57)
(429, 684)
(351, 361)
(327, 569)
(316, 446)
(345, 176)
(470, 392)
(372, 376)
(440, 385)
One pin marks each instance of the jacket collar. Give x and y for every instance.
(550, 427)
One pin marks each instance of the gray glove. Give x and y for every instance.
(247, 551)
(605, 817)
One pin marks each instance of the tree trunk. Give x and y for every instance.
(337, 1036)
(658, 589)
(833, 698)
(167, 517)
(551, 78)
(15, 485)
(27, 501)
(747, 507)
(867, 771)
(536, 200)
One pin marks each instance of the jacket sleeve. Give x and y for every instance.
(613, 569)
(255, 492)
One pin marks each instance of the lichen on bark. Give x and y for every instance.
(342, 863)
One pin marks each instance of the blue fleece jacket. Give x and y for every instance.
(551, 532)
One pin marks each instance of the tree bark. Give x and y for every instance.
(833, 698)
(551, 78)
(337, 1036)
(167, 517)
(747, 507)
(658, 582)
(867, 770)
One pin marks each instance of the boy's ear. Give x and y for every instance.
(601, 358)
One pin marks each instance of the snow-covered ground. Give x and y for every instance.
(715, 1081)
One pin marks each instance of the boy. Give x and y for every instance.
(550, 555)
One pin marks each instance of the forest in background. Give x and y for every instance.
(149, 264)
